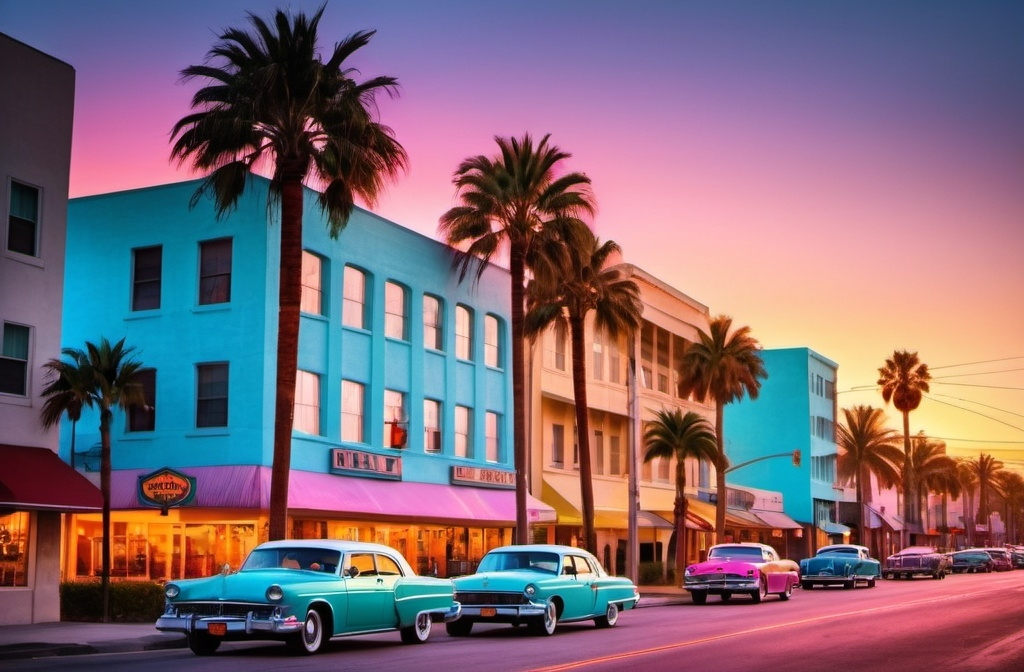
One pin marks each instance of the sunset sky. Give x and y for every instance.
(845, 176)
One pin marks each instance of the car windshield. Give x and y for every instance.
(838, 551)
(316, 559)
(741, 552)
(505, 561)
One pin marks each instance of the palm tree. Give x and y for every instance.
(968, 478)
(66, 393)
(904, 380)
(569, 291)
(985, 469)
(722, 367)
(272, 101)
(513, 201)
(1010, 486)
(931, 467)
(107, 373)
(674, 435)
(867, 447)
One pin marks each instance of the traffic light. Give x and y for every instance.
(796, 457)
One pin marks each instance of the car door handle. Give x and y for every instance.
(380, 581)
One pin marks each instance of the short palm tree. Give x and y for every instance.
(107, 374)
(570, 291)
(672, 435)
(513, 201)
(1010, 486)
(723, 366)
(272, 101)
(866, 447)
(68, 390)
(985, 469)
(904, 380)
(931, 467)
(968, 479)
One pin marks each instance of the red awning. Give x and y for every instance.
(36, 479)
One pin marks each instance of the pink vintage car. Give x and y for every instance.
(747, 568)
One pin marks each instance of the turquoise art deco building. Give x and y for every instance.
(403, 431)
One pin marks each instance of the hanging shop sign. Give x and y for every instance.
(482, 477)
(165, 488)
(362, 463)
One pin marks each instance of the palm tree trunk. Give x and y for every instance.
(517, 271)
(858, 484)
(680, 510)
(290, 294)
(105, 469)
(579, 386)
(720, 487)
(909, 496)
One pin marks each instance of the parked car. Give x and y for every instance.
(540, 585)
(843, 565)
(1016, 556)
(1001, 560)
(916, 561)
(747, 568)
(304, 592)
(970, 561)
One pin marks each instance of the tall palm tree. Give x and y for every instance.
(272, 101)
(867, 447)
(968, 478)
(931, 467)
(985, 469)
(569, 292)
(108, 374)
(1010, 486)
(904, 380)
(513, 201)
(67, 392)
(674, 435)
(723, 366)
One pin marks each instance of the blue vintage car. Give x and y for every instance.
(304, 592)
(843, 565)
(540, 585)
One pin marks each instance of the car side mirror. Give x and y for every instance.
(352, 572)
(225, 570)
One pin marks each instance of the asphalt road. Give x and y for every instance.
(966, 623)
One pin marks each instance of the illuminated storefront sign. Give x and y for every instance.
(481, 477)
(362, 463)
(165, 488)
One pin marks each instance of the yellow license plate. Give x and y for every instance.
(488, 612)
(218, 629)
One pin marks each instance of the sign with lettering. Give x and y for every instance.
(362, 463)
(483, 477)
(165, 488)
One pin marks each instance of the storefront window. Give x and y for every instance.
(14, 529)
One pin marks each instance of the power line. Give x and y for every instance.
(968, 401)
(969, 410)
(979, 373)
(987, 361)
(987, 387)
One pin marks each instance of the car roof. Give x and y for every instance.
(835, 547)
(333, 544)
(742, 544)
(549, 548)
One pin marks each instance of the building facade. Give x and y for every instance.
(402, 429)
(36, 488)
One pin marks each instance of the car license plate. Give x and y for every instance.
(488, 612)
(218, 629)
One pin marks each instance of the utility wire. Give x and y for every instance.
(939, 401)
(987, 361)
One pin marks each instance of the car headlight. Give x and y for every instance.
(688, 571)
(171, 591)
(275, 593)
(530, 590)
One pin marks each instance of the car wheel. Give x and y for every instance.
(726, 597)
(610, 618)
(459, 628)
(806, 585)
(936, 575)
(850, 585)
(311, 639)
(699, 597)
(761, 592)
(787, 593)
(419, 631)
(546, 624)
(202, 644)
(871, 583)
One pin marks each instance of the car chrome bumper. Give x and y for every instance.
(234, 625)
(504, 612)
(449, 615)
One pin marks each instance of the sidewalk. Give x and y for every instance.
(67, 638)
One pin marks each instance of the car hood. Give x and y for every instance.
(722, 565)
(249, 586)
(513, 579)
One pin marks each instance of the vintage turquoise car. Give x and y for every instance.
(304, 592)
(843, 565)
(540, 585)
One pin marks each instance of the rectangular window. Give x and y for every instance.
(598, 461)
(558, 334)
(147, 267)
(215, 271)
(394, 418)
(663, 469)
(647, 355)
(463, 333)
(492, 351)
(23, 221)
(614, 362)
(558, 445)
(463, 426)
(491, 429)
(307, 403)
(614, 456)
(433, 321)
(597, 366)
(14, 360)
(678, 348)
(352, 403)
(431, 426)
(312, 284)
(704, 474)
(143, 418)
(353, 310)
(394, 311)
(663, 358)
(212, 395)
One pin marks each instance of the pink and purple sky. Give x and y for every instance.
(845, 176)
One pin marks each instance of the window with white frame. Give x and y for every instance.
(598, 461)
(14, 359)
(394, 416)
(678, 348)
(463, 427)
(431, 426)
(663, 359)
(558, 336)
(353, 400)
(463, 332)
(215, 271)
(143, 418)
(492, 336)
(353, 310)
(307, 402)
(492, 426)
(147, 269)
(558, 445)
(394, 310)
(312, 300)
(615, 456)
(212, 395)
(614, 361)
(23, 219)
(597, 362)
(647, 355)
(433, 323)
